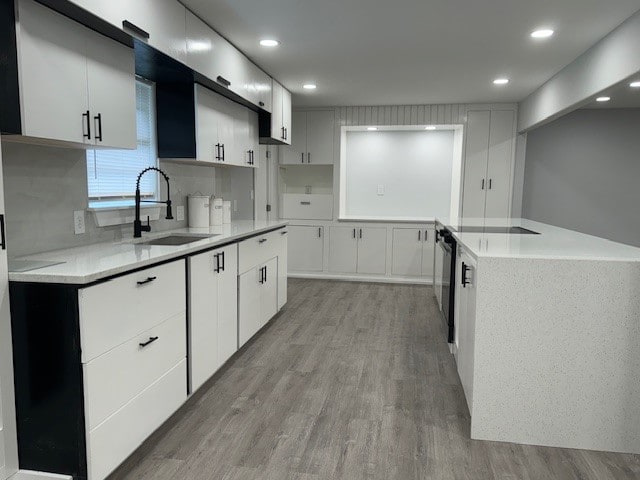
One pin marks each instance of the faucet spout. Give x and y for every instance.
(138, 228)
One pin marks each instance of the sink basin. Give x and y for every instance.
(176, 240)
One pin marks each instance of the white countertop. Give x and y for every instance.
(90, 263)
(552, 243)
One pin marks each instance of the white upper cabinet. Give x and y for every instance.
(214, 57)
(75, 85)
(160, 23)
(489, 163)
(280, 116)
(312, 138)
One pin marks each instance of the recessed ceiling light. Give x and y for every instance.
(430, 127)
(542, 33)
(634, 84)
(267, 42)
(603, 99)
(372, 129)
(501, 81)
(309, 86)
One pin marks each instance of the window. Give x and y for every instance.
(112, 174)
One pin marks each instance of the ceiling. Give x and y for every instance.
(622, 96)
(374, 52)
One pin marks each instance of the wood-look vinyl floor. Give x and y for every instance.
(351, 381)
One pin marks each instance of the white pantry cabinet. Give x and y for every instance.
(213, 311)
(312, 139)
(488, 163)
(466, 276)
(76, 85)
(306, 248)
(413, 250)
(160, 23)
(358, 250)
(281, 115)
(258, 299)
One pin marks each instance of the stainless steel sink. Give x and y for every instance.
(177, 239)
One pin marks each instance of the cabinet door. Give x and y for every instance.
(305, 248)
(428, 252)
(241, 153)
(466, 325)
(475, 167)
(499, 166)
(343, 249)
(269, 292)
(227, 304)
(286, 116)
(407, 252)
(214, 126)
(226, 112)
(320, 136)
(53, 74)
(112, 92)
(296, 153)
(283, 268)
(372, 250)
(249, 304)
(203, 317)
(254, 137)
(276, 112)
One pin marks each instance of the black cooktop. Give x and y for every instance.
(510, 230)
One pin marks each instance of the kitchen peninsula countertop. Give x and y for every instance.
(91, 263)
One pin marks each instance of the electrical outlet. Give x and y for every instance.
(78, 222)
(235, 205)
(380, 190)
(180, 213)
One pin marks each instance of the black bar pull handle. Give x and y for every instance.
(305, 203)
(148, 342)
(216, 269)
(98, 119)
(222, 255)
(426, 235)
(360, 233)
(282, 136)
(133, 28)
(465, 269)
(87, 135)
(223, 81)
(308, 157)
(302, 157)
(419, 235)
(148, 280)
(262, 279)
(483, 184)
(3, 241)
(490, 183)
(437, 236)
(223, 159)
(265, 274)
(354, 233)
(319, 232)
(262, 240)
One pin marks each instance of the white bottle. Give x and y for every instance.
(226, 211)
(216, 212)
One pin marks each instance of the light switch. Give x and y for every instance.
(180, 213)
(381, 190)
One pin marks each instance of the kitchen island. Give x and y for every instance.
(547, 340)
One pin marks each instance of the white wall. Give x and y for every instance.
(414, 169)
(582, 172)
(610, 61)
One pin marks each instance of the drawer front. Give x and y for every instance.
(113, 379)
(307, 207)
(115, 439)
(116, 311)
(258, 250)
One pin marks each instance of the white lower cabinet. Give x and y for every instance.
(213, 311)
(258, 302)
(358, 250)
(413, 252)
(466, 276)
(305, 248)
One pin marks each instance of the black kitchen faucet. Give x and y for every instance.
(138, 228)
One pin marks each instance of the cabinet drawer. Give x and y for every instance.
(308, 207)
(113, 379)
(115, 439)
(258, 250)
(116, 311)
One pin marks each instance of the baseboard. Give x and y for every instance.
(362, 278)
(30, 475)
